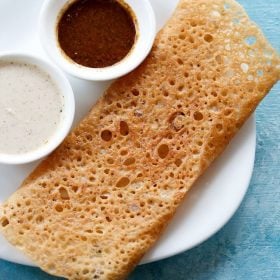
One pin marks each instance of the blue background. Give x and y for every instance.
(248, 247)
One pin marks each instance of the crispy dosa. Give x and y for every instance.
(94, 207)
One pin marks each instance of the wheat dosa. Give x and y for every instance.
(95, 206)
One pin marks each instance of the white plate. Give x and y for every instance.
(212, 201)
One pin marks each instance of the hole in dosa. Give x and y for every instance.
(208, 38)
(58, 208)
(198, 116)
(124, 181)
(64, 193)
(5, 222)
(163, 151)
(106, 135)
(129, 161)
(124, 130)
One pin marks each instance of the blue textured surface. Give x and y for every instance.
(248, 247)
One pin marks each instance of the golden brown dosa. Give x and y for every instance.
(95, 206)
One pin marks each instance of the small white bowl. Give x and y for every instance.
(145, 18)
(63, 129)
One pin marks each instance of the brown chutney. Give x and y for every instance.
(96, 33)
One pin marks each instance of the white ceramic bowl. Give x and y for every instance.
(68, 113)
(146, 33)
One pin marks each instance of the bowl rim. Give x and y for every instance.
(69, 108)
(123, 67)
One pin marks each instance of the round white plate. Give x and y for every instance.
(211, 202)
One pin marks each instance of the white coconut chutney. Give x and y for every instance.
(31, 107)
